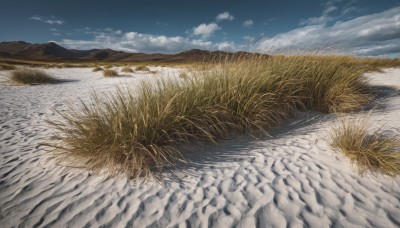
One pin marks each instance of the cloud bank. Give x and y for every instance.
(139, 42)
(371, 35)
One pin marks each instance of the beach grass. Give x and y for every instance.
(142, 68)
(29, 76)
(138, 132)
(370, 151)
(127, 70)
(109, 73)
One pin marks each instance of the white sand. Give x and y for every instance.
(292, 179)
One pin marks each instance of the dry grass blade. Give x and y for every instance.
(28, 76)
(370, 151)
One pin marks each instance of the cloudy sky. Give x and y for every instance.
(359, 27)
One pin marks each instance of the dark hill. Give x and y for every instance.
(54, 52)
(47, 51)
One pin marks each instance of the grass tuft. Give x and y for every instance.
(127, 70)
(97, 69)
(142, 68)
(369, 151)
(30, 76)
(138, 132)
(110, 73)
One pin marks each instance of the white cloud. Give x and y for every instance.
(269, 21)
(347, 10)
(226, 46)
(148, 43)
(349, 7)
(205, 30)
(375, 34)
(161, 23)
(332, 10)
(249, 39)
(248, 23)
(52, 20)
(224, 16)
(316, 20)
(99, 32)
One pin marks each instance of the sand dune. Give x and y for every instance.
(291, 179)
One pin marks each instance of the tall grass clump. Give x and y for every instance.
(29, 76)
(97, 69)
(7, 67)
(127, 70)
(110, 73)
(142, 68)
(369, 151)
(138, 131)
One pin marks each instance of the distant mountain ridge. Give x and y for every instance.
(54, 52)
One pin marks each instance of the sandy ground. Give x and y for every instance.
(291, 179)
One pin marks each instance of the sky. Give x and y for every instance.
(357, 27)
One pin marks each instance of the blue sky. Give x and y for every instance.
(360, 27)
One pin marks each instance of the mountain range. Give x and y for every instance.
(54, 52)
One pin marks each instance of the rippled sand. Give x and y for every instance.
(291, 179)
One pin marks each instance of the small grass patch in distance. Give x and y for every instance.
(109, 73)
(142, 68)
(369, 151)
(29, 76)
(138, 132)
(127, 70)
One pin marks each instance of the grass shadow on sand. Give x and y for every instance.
(382, 95)
(64, 81)
(228, 153)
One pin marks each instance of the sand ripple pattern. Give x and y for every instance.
(292, 179)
